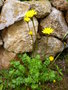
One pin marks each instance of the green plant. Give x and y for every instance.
(29, 73)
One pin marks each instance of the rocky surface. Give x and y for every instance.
(60, 4)
(5, 58)
(56, 21)
(16, 37)
(48, 46)
(12, 11)
(1, 2)
(43, 7)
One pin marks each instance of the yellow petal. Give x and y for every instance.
(47, 30)
(26, 19)
(30, 33)
(30, 13)
(54, 81)
(51, 58)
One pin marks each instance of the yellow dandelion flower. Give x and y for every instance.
(47, 30)
(26, 19)
(51, 58)
(30, 13)
(30, 33)
(54, 81)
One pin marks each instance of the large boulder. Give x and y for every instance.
(12, 11)
(1, 2)
(60, 4)
(48, 46)
(17, 39)
(5, 58)
(43, 7)
(56, 21)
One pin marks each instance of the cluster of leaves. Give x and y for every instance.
(28, 73)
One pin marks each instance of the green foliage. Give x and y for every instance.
(1, 86)
(29, 73)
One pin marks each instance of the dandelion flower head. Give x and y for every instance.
(47, 30)
(51, 58)
(26, 19)
(30, 32)
(30, 13)
(54, 81)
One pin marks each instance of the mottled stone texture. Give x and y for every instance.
(56, 21)
(16, 37)
(1, 2)
(48, 46)
(5, 58)
(43, 7)
(12, 11)
(60, 4)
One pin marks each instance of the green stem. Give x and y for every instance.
(65, 35)
(34, 28)
(29, 31)
(55, 59)
(59, 53)
(47, 43)
(35, 34)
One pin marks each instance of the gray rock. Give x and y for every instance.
(60, 4)
(12, 11)
(48, 46)
(43, 7)
(5, 58)
(1, 2)
(56, 21)
(16, 37)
